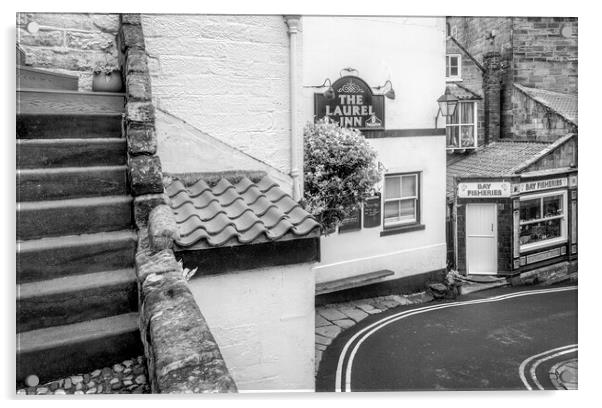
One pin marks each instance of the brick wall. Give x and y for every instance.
(532, 121)
(543, 58)
(70, 43)
(227, 76)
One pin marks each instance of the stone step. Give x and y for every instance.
(70, 182)
(37, 153)
(28, 77)
(352, 281)
(59, 351)
(73, 299)
(39, 219)
(48, 101)
(50, 258)
(69, 126)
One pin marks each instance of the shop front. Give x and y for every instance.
(507, 226)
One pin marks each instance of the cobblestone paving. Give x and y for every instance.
(332, 319)
(127, 377)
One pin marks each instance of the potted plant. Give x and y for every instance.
(107, 78)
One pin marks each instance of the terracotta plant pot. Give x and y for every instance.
(107, 82)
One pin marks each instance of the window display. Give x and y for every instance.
(542, 218)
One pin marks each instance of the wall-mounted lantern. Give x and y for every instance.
(447, 106)
(329, 93)
(390, 93)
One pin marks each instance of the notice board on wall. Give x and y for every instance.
(352, 222)
(372, 213)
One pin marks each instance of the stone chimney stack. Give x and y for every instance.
(492, 92)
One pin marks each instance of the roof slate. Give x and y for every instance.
(495, 160)
(563, 104)
(236, 213)
(461, 92)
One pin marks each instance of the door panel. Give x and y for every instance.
(481, 239)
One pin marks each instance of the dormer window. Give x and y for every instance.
(461, 127)
(453, 67)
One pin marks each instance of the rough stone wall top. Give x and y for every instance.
(70, 43)
(227, 76)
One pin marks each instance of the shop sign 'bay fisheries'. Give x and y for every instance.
(484, 190)
(353, 106)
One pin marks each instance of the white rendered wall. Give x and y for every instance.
(263, 322)
(410, 52)
(409, 253)
(227, 76)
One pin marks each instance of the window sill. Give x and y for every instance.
(453, 79)
(543, 244)
(402, 229)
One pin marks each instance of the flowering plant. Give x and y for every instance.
(340, 171)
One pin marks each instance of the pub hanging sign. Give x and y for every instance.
(353, 106)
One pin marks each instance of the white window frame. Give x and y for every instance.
(474, 124)
(563, 225)
(416, 198)
(449, 77)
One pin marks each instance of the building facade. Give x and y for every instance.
(512, 188)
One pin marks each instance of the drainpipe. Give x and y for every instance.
(293, 23)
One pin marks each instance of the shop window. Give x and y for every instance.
(461, 128)
(453, 67)
(542, 220)
(402, 203)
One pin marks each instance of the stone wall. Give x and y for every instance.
(561, 156)
(182, 354)
(70, 43)
(227, 76)
(472, 33)
(144, 166)
(533, 121)
(545, 53)
(539, 52)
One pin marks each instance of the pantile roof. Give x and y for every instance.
(461, 92)
(497, 159)
(236, 212)
(563, 104)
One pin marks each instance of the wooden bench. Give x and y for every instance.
(352, 281)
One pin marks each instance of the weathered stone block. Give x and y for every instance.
(162, 228)
(138, 86)
(132, 37)
(140, 111)
(141, 138)
(135, 61)
(145, 175)
(148, 263)
(186, 357)
(143, 205)
(90, 40)
(133, 19)
(41, 38)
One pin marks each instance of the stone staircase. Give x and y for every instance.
(76, 287)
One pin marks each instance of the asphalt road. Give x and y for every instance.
(504, 339)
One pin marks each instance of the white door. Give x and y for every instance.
(481, 239)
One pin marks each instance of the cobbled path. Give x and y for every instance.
(127, 377)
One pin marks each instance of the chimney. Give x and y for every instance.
(492, 92)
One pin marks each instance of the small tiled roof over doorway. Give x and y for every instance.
(236, 211)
